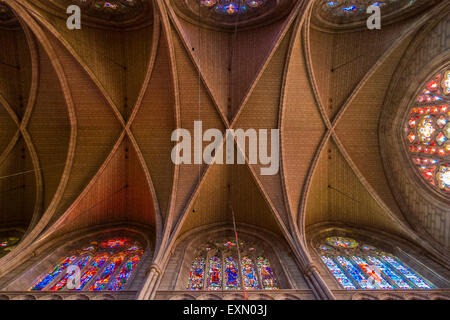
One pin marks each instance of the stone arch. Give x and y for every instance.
(267, 243)
(70, 243)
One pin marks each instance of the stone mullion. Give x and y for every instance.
(400, 274)
(344, 270)
(97, 274)
(358, 267)
(206, 272)
(82, 271)
(257, 270)
(115, 273)
(222, 265)
(59, 276)
(383, 274)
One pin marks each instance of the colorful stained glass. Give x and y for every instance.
(229, 244)
(103, 279)
(446, 82)
(121, 279)
(214, 274)
(338, 273)
(342, 242)
(95, 266)
(411, 276)
(325, 248)
(220, 269)
(368, 248)
(196, 276)
(354, 272)
(249, 276)
(7, 243)
(428, 131)
(443, 177)
(96, 261)
(365, 267)
(115, 243)
(231, 274)
(232, 7)
(56, 271)
(346, 11)
(373, 273)
(389, 272)
(266, 275)
(82, 262)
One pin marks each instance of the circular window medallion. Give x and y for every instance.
(350, 12)
(427, 132)
(341, 242)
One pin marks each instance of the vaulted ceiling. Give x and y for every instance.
(87, 116)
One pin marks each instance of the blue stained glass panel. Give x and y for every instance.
(231, 274)
(60, 267)
(121, 279)
(389, 272)
(95, 266)
(63, 282)
(379, 281)
(102, 280)
(356, 274)
(338, 273)
(411, 276)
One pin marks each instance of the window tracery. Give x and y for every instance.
(361, 266)
(427, 132)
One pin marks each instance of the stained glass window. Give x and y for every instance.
(103, 279)
(214, 274)
(196, 276)
(337, 273)
(344, 11)
(232, 7)
(427, 132)
(249, 276)
(342, 242)
(268, 279)
(104, 265)
(217, 267)
(63, 282)
(231, 274)
(56, 271)
(362, 266)
(8, 242)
